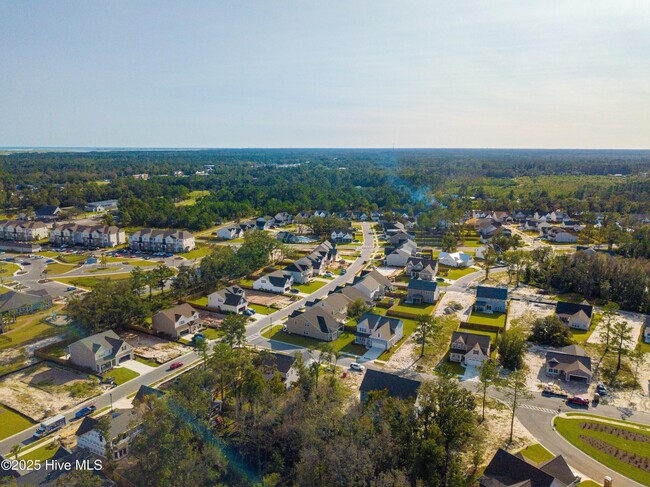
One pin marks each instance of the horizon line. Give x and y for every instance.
(203, 148)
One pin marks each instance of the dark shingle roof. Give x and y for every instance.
(488, 292)
(400, 387)
(563, 308)
(280, 361)
(471, 339)
(506, 469)
(145, 391)
(419, 285)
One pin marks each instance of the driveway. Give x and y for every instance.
(372, 354)
(471, 374)
(138, 367)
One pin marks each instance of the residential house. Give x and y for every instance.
(469, 348)
(48, 213)
(424, 269)
(370, 288)
(283, 218)
(301, 271)
(354, 294)
(87, 235)
(455, 259)
(100, 352)
(287, 237)
(558, 235)
(575, 315)
(398, 239)
(229, 300)
(491, 299)
(230, 232)
(508, 470)
(304, 215)
(570, 363)
(264, 223)
(378, 331)
(400, 256)
(322, 213)
(343, 235)
(572, 225)
(122, 429)
(394, 385)
(16, 303)
(375, 216)
(421, 292)
(479, 253)
(392, 228)
(646, 330)
(177, 321)
(282, 364)
(336, 303)
(169, 241)
(100, 206)
(276, 282)
(144, 176)
(522, 215)
(316, 322)
(23, 231)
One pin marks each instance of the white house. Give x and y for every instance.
(276, 282)
(342, 236)
(123, 428)
(230, 232)
(229, 300)
(100, 206)
(301, 270)
(455, 259)
(377, 331)
(283, 365)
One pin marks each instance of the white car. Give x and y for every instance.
(356, 366)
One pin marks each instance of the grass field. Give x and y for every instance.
(202, 301)
(537, 453)
(263, 310)
(11, 422)
(8, 269)
(121, 375)
(212, 333)
(414, 308)
(588, 483)
(99, 269)
(41, 453)
(458, 273)
(57, 269)
(91, 282)
(493, 336)
(344, 343)
(28, 333)
(571, 429)
(310, 287)
(581, 336)
(198, 252)
(146, 361)
(72, 258)
(495, 319)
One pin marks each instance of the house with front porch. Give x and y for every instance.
(278, 282)
(469, 348)
(123, 427)
(424, 269)
(316, 322)
(491, 299)
(229, 300)
(100, 352)
(378, 331)
(343, 236)
(570, 363)
(177, 321)
(301, 270)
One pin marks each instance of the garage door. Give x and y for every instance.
(575, 378)
(125, 358)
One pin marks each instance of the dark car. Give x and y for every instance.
(601, 389)
(176, 365)
(85, 412)
(294, 291)
(580, 401)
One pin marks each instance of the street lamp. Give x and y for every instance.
(111, 396)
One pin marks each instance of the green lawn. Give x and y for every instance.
(570, 428)
(581, 336)
(589, 483)
(132, 262)
(246, 282)
(537, 453)
(261, 309)
(91, 282)
(41, 453)
(34, 331)
(494, 319)
(56, 268)
(8, 269)
(423, 309)
(344, 343)
(72, 258)
(493, 336)
(202, 301)
(212, 333)
(146, 361)
(458, 273)
(310, 287)
(198, 252)
(455, 367)
(100, 269)
(11, 422)
(121, 375)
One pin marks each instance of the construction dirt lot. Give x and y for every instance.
(267, 299)
(46, 389)
(154, 348)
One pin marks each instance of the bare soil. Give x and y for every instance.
(154, 348)
(262, 298)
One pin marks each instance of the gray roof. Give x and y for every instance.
(471, 339)
(396, 386)
(15, 300)
(278, 278)
(562, 308)
(420, 285)
(489, 292)
(506, 469)
(121, 422)
(280, 361)
(377, 321)
(107, 339)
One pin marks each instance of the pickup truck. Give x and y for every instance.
(580, 401)
(85, 411)
(49, 425)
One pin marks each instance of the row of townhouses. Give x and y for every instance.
(87, 235)
(22, 231)
(153, 240)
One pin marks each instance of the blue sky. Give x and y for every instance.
(329, 73)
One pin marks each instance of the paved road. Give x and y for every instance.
(252, 331)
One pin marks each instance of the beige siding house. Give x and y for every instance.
(316, 323)
(176, 321)
(100, 352)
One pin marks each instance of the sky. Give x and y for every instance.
(328, 73)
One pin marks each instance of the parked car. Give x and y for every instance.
(579, 400)
(198, 338)
(357, 367)
(85, 411)
(294, 291)
(249, 312)
(176, 365)
(601, 389)
(343, 271)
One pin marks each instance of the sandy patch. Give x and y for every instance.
(635, 320)
(44, 390)
(262, 298)
(524, 312)
(154, 348)
(466, 301)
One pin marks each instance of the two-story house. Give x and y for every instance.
(230, 232)
(100, 352)
(469, 348)
(420, 292)
(229, 300)
(491, 299)
(282, 364)
(508, 470)
(315, 322)
(574, 315)
(176, 321)
(423, 269)
(336, 303)
(377, 331)
(394, 385)
(277, 282)
(123, 427)
(343, 235)
(301, 270)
